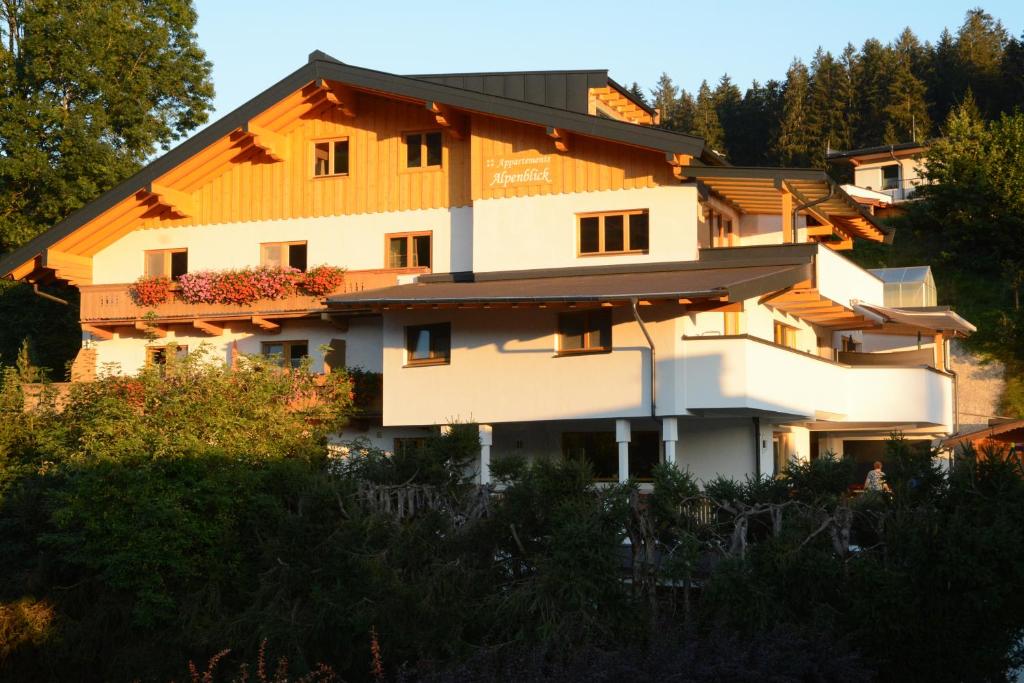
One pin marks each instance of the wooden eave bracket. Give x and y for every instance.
(677, 162)
(274, 145)
(150, 328)
(265, 325)
(75, 269)
(446, 117)
(179, 202)
(340, 96)
(98, 332)
(560, 137)
(208, 328)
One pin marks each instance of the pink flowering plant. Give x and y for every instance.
(243, 286)
(322, 280)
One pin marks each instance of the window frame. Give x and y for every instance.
(286, 354)
(180, 353)
(285, 252)
(410, 246)
(788, 334)
(423, 167)
(167, 259)
(330, 157)
(411, 362)
(601, 216)
(589, 315)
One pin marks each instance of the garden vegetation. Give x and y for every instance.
(195, 515)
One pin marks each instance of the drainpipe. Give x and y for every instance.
(48, 297)
(650, 342)
(757, 447)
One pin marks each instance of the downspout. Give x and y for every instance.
(48, 297)
(650, 342)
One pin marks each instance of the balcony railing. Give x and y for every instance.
(114, 303)
(901, 189)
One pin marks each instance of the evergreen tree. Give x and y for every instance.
(728, 102)
(830, 95)
(906, 111)
(686, 113)
(871, 81)
(664, 98)
(980, 43)
(706, 123)
(946, 81)
(88, 91)
(798, 143)
(636, 91)
(1012, 75)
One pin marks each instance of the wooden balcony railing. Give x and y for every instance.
(107, 304)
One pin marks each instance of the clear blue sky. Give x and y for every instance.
(252, 44)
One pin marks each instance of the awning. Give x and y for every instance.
(1003, 429)
(912, 320)
(760, 191)
(673, 282)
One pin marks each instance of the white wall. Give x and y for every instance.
(761, 229)
(842, 280)
(522, 233)
(127, 355)
(355, 242)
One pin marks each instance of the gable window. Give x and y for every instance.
(423, 150)
(287, 354)
(785, 335)
(890, 177)
(408, 250)
(619, 232)
(169, 263)
(428, 344)
(585, 332)
(330, 157)
(283, 255)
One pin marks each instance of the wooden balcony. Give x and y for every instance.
(104, 307)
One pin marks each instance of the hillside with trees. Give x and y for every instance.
(860, 97)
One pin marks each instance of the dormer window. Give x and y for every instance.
(618, 232)
(330, 158)
(423, 150)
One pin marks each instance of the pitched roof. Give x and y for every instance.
(879, 149)
(323, 66)
(984, 433)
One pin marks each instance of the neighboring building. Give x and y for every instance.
(884, 176)
(524, 251)
(1004, 435)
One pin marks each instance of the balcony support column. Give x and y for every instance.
(670, 435)
(623, 435)
(486, 441)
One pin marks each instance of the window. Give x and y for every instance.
(602, 453)
(159, 356)
(288, 354)
(422, 150)
(408, 250)
(284, 255)
(330, 158)
(785, 335)
(409, 445)
(585, 332)
(614, 233)
(169, 263)
(891, 177)
(428, 344)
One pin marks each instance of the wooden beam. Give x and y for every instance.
(446, 117)
(560, 137)
(150, 328)
(208, 328)
(265, 325)
(677, 162)
(97, 331)
(74, 268)
(788, 231)
(340, 96)
(178, 201)
(274, 145)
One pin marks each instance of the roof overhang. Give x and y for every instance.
(935, 319)
(813, 192)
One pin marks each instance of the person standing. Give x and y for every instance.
(875, 481)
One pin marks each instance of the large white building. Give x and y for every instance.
(525, 251)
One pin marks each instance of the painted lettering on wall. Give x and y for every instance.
(505, 172)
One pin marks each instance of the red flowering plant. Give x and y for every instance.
(322, 280)
(151, 291)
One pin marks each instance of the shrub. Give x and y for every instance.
(322, 280)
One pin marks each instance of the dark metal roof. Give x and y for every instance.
(560, 89)
(321, 65)
(880, 149)
(650, 281)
